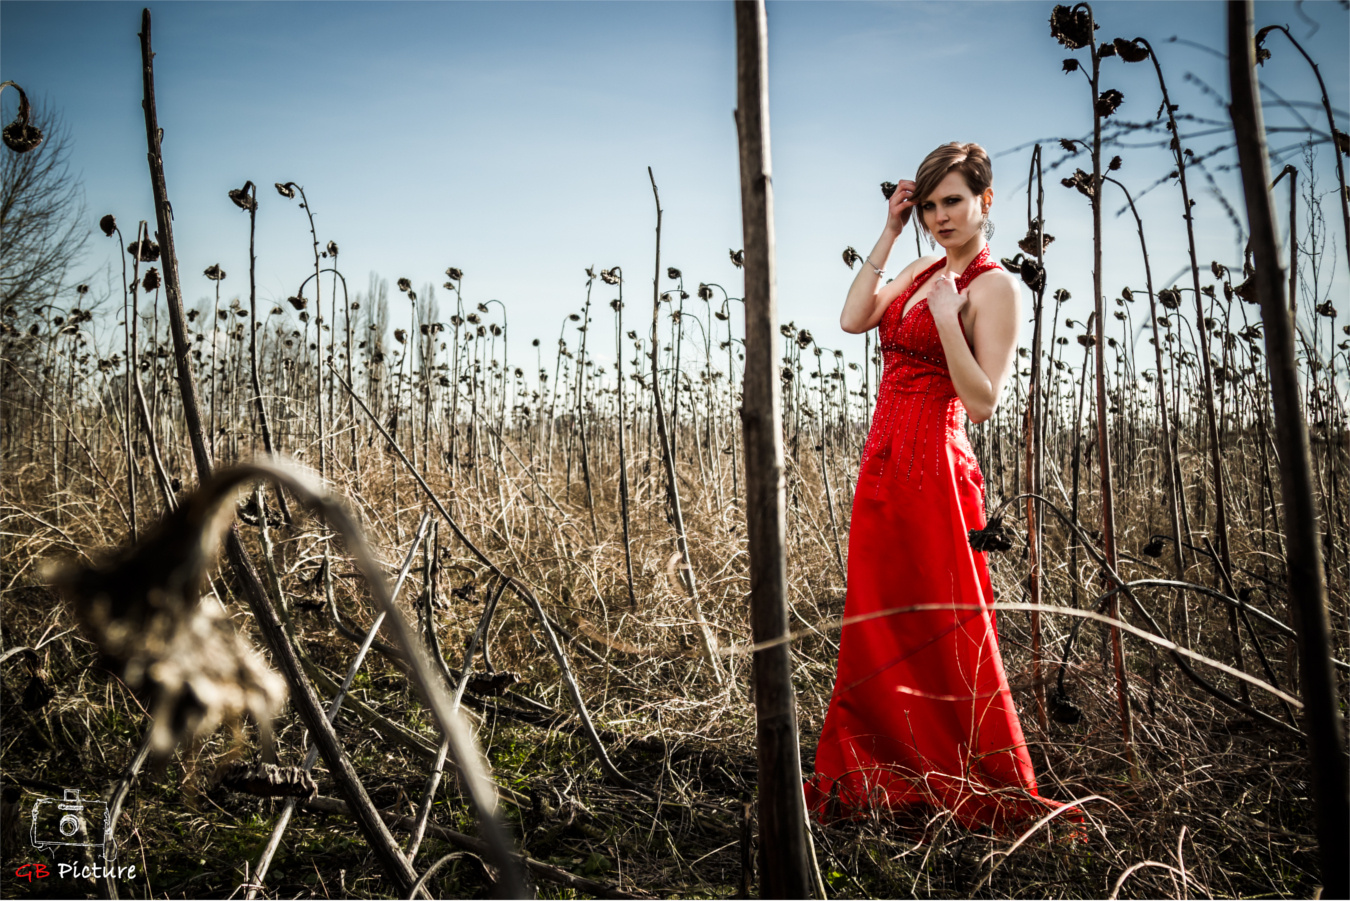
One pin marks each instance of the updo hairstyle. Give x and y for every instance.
(968, 159)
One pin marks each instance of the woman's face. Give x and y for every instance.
(953, 214)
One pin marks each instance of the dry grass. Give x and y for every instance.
(1209, 801)
(1218, 797)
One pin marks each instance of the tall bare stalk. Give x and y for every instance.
(1033, 427)
(1292, 172)
(667, 456)
(332, 355)
(1164, 422)
(1075, 28)
(215, 274)
(825, 469)
(288, 190)
(109, 226)
(585, 330)
(785, 853)
(1339, 141)
(147, 417)
(1129, 51)
(615, 277)
(1307, 588)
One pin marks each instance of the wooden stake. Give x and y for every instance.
(784, 844)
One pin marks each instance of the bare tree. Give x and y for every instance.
(42, 227)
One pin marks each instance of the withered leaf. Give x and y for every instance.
(269, 781)
(1131, 51)
(1071, 27)
(1108, 102)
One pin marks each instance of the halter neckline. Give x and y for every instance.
(982, 263)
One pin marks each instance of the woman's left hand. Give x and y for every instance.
(944, 302)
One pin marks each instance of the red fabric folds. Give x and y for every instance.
(921, 715)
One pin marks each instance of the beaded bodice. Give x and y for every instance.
(918, 413)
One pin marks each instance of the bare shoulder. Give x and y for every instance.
(896, 286)
(919, 265)
(911, 272)
(996, 289)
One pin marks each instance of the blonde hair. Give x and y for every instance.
(969, 159)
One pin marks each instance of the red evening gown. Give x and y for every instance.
(921, 715)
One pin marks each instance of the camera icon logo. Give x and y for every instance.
(72, 822)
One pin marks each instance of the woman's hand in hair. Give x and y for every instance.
(899, 207)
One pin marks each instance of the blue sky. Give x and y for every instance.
(512, 139)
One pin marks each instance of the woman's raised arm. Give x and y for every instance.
(868, 297)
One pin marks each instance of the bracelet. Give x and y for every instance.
(880, 272)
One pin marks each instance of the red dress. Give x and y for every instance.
(921, 715)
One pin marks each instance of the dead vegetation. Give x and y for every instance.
(531, 522)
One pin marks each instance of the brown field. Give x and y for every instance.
(524, 451)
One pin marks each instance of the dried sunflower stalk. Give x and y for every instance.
(143, 609)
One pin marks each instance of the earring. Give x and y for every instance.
(988, 228)
(932, 242)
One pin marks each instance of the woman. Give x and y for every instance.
(921, 714)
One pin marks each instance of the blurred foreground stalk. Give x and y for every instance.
(307, 704)
(1303, 558)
